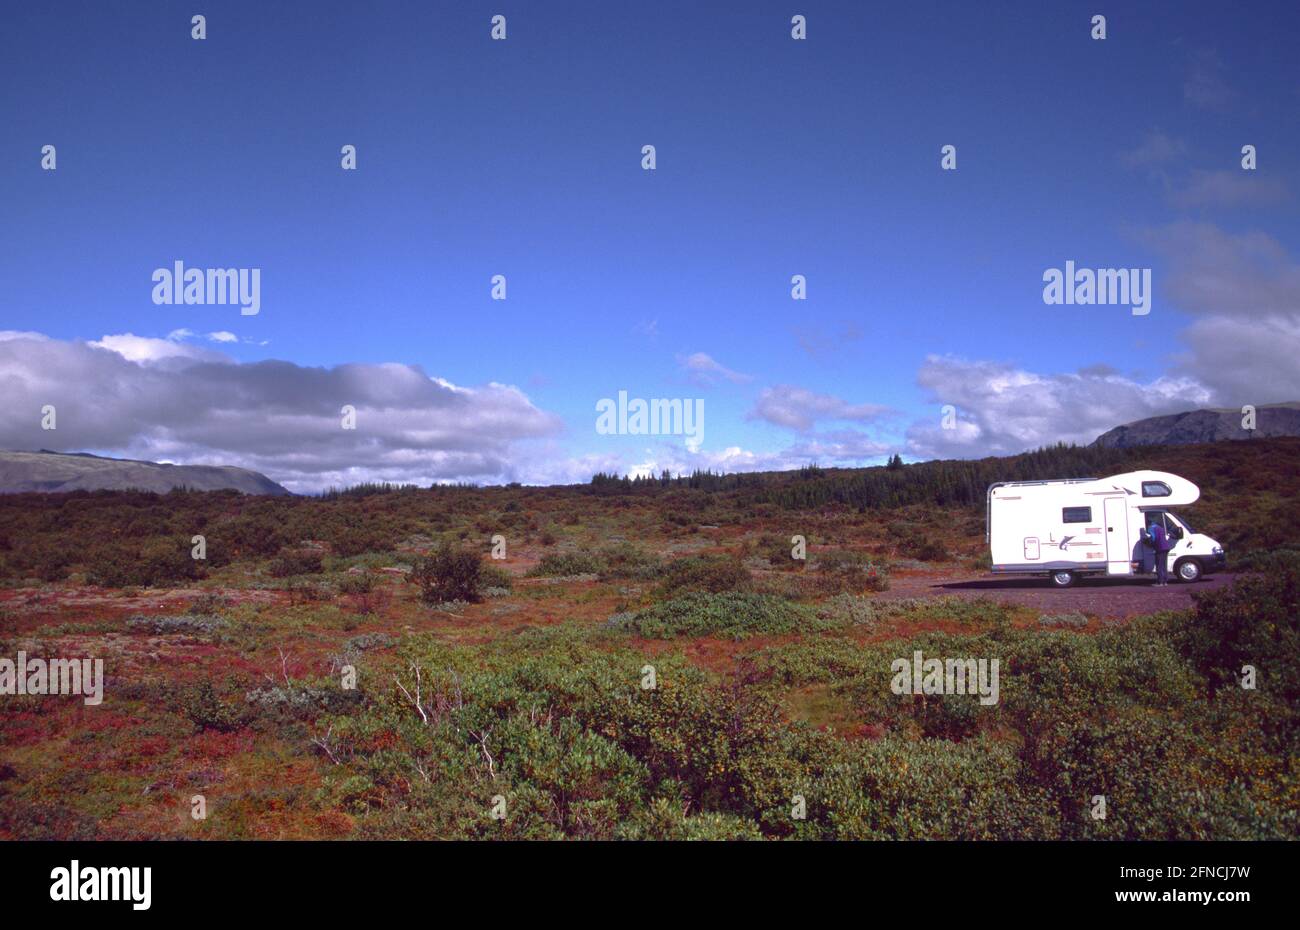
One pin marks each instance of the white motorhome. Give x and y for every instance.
(1079, 526)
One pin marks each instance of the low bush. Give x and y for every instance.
(289, 563)
(205, 709)
(157, 562)
(1075, 620)
(564, 564)
(494, 578)
(626, 560)
(732, 613)
(847, 570)
(848, 610)
(193, 624)
(448, 574)
(708, 574)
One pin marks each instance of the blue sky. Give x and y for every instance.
(523, 158)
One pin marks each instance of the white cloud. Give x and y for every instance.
(1002, 409)
(1228, 189)
(222, 336)
(1156, 148)
(1205, 87)
(702, 369)
(147, 349)
(155, 399)
(1243, 291)
(799, 408)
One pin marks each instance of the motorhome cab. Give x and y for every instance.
(1079, 526)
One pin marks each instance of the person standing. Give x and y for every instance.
(1160, 543)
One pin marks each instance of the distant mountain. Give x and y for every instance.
(1204, 426)
(79, 471)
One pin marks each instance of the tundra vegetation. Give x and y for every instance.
(648, 661)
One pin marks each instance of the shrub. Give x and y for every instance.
(1255, 621)
(666, 820)
(206, 710)
(448, 574)
(157, 562)
(732, 612)
(494, 578)
(358, 542)
(777, 550)
(708, 574)
(842, 570)
(289, 563)
(356, 583)
(562, 564)
(194, 624)
(924, 548)
(365, 595)
(253, 536)
(848, 610)
(209, 604)
(1075, 620)
(626, 560)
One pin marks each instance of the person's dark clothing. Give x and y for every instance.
(1160, 542)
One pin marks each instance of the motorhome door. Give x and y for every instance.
(1119, 552)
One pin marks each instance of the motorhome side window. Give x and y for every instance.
(1076, 515)
(1155, 489)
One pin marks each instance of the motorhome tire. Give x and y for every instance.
(1062, 579)
(1188, 570)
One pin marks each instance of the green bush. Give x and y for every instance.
(846, 570)
(732, 612)
(924, 548)
(709, 574)
(563, 564)
(1255, 621)
(157, 562)
(359, 583)
(205, 709)
(494, 578)
(448, 574)
(626, 560)
(289, 563)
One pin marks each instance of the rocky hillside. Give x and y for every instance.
(1197, 426)
(60, 471)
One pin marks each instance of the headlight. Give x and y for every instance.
(1217, 550)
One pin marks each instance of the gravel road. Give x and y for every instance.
(1102, 597)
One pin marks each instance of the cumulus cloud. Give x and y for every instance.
(799, 408)
(823, 341)
(147, 349)
(703, 370)
(162, 399)
(1244, 290)
(1213, 272)
(1205, 87)
(1002, 409)
(1227, 189)
(1244, 361)
(1156, 148)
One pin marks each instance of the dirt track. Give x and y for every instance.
(1103, 597)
